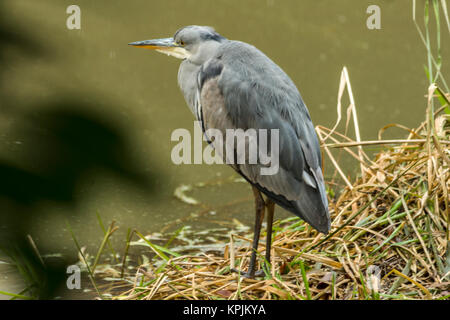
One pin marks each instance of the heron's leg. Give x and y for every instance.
(270, 211)
(270, 205)
(260, 207)
(259, 217)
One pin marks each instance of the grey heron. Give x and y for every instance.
(231, 84)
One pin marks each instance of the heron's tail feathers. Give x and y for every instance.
(313, 204)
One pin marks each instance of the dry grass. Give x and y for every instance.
(389, 237)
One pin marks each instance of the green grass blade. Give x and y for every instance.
(305, 280)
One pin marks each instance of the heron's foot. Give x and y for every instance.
(248, 275)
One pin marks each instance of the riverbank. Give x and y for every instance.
(389, 235)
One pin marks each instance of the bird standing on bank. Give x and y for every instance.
(232, 85)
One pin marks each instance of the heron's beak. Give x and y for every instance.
(166, 45)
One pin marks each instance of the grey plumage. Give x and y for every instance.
(230, 84)
(258, 94)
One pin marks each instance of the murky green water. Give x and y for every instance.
(136, 90)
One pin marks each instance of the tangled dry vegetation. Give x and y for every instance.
(389, 236)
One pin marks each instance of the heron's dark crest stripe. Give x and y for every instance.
(212, 36)
(207, 33)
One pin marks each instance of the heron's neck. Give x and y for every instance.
(187, 80)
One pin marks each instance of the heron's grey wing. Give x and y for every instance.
(242, 88)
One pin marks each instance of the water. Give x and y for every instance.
(136, 91)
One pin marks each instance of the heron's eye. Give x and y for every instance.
(181, 43)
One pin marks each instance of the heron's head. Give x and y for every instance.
(192, 42)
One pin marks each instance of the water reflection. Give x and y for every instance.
(61, 144)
